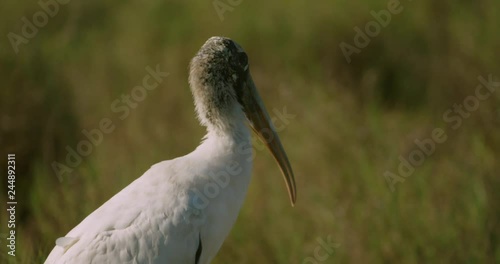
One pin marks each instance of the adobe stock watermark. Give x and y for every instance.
(280, 120)
(30, 27)
(371, 30)
(121, 107)
(322, 251)
(454, 117)
(223, 6)
(200, 198)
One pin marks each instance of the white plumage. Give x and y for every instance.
(181, 210)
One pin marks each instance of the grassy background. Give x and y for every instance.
(352, 121)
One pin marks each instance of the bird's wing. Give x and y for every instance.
(150, 221)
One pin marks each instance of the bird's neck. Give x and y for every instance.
(226, 125)
(228, 137)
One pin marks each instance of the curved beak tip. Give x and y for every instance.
(261, 123)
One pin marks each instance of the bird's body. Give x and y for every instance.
(158, 218)
(180, 210)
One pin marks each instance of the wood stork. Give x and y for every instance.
(181, 210)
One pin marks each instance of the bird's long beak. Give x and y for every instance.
(263, 127)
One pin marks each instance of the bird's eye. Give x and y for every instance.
(243, 60)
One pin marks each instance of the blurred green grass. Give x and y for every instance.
(352, 122)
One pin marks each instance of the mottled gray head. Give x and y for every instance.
(225, 97)
(217, 78)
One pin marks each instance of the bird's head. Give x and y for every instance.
(217, 78)
(224, 93)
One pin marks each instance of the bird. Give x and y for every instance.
(181, 210)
